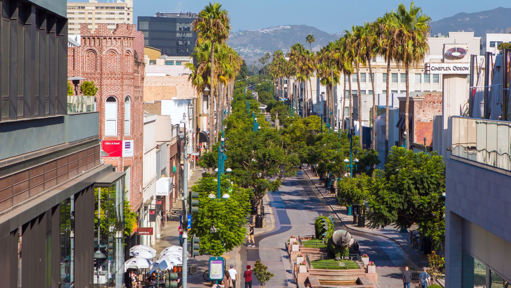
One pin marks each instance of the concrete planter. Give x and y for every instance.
(365, 260)
(371, 269)
(302, 269)
(292, 240)
(295, 247)
(299, 259)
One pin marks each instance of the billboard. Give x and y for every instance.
(112, 147)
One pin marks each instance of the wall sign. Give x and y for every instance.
(152, 215)
(145, 231)
(456, 53)
(127, 148)
(112, 147)
(449, 68)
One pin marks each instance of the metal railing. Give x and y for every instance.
(482, 140)
(81, 104)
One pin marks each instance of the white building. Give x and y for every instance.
(491, 41)
(94, 12)
(150, 173)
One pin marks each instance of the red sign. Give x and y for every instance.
(145, 231)
(112, 147)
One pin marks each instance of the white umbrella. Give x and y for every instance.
(143, 253)
(175, 260)
(137, 263)
(172, 248)
(164, 264)
(143, 247)
(175, 257)
(171, 253)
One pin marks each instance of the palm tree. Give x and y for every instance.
(212, 24)
(329, 74)
(356, 49)
(386, 27)
(345, 65)
(310, 39)
(297, 57)
(370, 48)
(412, 31)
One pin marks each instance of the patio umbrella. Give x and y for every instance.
(173, 248)
(143, 253)
(143, 247)
(164, 264)
(137, 263)
(171, 253)
(173, 257)
(175, 260)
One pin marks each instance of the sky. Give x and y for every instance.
(331, 16)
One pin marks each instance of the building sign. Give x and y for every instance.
(159, 205)
(112, 147)
(127, 148)
(216, 268)
(145, 231)
(152, 215)
(449, 68)
(456, 53)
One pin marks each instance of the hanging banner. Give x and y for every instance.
(145, 231)
(112, 147)
(127, 148)
(159, 205)
(152, 215)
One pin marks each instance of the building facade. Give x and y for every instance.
(113, 61)
(491, 41)
(50, 160)
(93, 13)
(172, 33)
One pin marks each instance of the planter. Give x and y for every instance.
(295, 247)
(292, 240)
(302, 269)
(365, 260)
(299, 259)
(371, 269)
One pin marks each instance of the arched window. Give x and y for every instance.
(111, 116)
(127, 116)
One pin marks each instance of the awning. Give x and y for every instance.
(402, 123)
(203, 137)
(401, 117)
(109, 179)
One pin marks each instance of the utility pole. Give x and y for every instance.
(184, 224)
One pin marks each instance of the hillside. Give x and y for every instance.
(491, 21)
(253, 44)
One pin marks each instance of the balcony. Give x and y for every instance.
(81, 104)
(483, 141)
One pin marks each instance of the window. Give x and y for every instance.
(178, 62)
(370, 92)
(402, 92)
(373, 59)
(394, 77)
(403, 77)
(346, 111)
(169, 62)
(384, 92)
(354, 78)
(111, 116)
(363, 92)
(436, 78)
(492, 43)
(363, 77)
(427, 78)
(394, 91)
(127, 116)
(384, 77)
(354, 92)
(347, 94)
(347, 78)
(418, 78)
(143, 25)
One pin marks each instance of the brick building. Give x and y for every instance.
(114, 61)
(423, 108)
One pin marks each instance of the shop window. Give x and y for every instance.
(111, 116)
(127, 116)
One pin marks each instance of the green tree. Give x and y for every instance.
(88, 88)
(354, 190)
(503, 46)
(408, 191)
(261, 272)
(109, 217)
(243, 72)
(70, 90)
(437, 264)
(310, 39)
(220, 223)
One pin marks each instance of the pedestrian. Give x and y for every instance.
(127, 279)
(424, 278)
(233, 274)
(251, 235)
(248, 277)
(180, 235)
(227, 280)
(407, 278)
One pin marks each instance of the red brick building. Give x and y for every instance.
(114, 62)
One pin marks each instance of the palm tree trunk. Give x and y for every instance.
(331, 98)
(211, 96)
(343, 102)
(374, 101)
(407, 106)
(352, 123)
(310, 84)
(387, 113)
(359, 107)
(218, 101)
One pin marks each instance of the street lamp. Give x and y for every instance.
(405, 134)
(350, 161)
(182, 135)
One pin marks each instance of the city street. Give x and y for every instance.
(296, 205)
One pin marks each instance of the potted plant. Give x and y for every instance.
(371, 268)
(292, 239)
(302, 268)
(299, 258)
(295, 247)
(365, 259)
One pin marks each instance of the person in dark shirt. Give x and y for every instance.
(407, 278)
(251, 235)
(248, 277)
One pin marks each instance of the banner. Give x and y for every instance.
(152, 215)
(112, 147)
(127, 148)
(145, 231)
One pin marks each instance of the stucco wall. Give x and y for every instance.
(167, 87)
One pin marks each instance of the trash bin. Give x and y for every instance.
(361, 221)
(259, 221)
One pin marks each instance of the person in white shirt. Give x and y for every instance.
(233, 274)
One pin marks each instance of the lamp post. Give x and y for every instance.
(350, 161)
(182, 135)
(255, 125)
(405, 136)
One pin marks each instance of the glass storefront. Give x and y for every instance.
(477, 275)
(111, 233)
(67, 242)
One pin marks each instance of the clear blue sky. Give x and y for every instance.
(328, 15)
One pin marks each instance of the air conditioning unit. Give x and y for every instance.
(163, 186)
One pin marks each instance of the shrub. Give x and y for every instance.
(324, 227)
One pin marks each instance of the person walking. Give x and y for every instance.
(233, 274)
(248, 277)
(407, 278)
(180, 235)
(227, 280)
(251, 235)
(424, 278)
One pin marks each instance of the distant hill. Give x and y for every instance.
(491, 21)
(253, 44)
